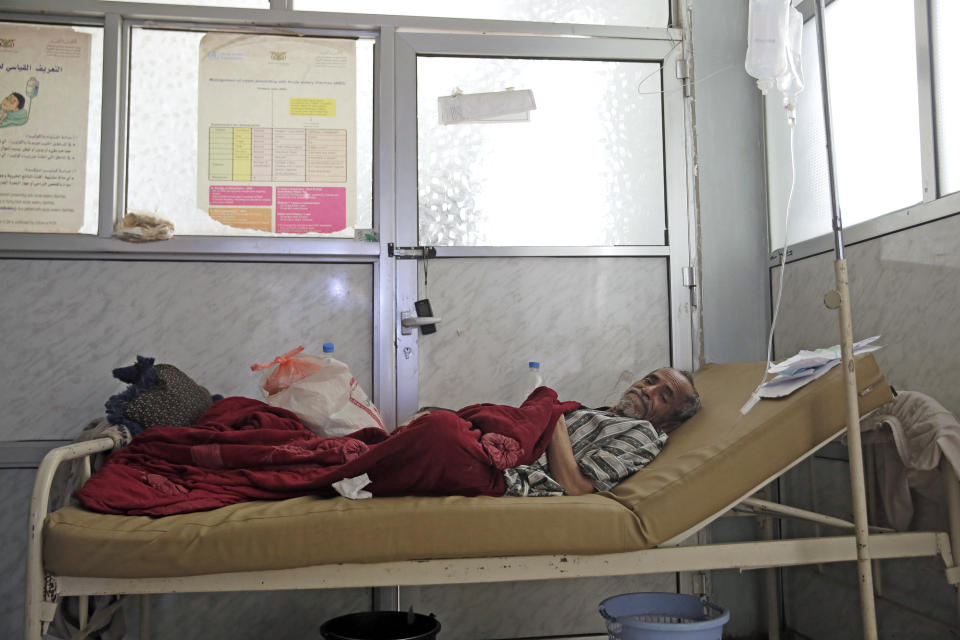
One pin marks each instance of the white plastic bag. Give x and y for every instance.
(320, 390)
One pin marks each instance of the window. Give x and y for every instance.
(586, 169)
(876, 123)
(166, 147)
(208, 175)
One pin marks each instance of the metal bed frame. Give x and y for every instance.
(44, 589)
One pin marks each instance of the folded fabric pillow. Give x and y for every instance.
(157, 395)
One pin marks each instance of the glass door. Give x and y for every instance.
(558, 233)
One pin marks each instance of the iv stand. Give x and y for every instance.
(840, 299)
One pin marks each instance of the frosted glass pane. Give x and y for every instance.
(242, 4)
(646, 13)
(586, 170)
(876, 123)
(946, 53)
(162, 144)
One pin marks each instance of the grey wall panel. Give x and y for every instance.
(15, 488)
(250, 615)
(902, 287)
(68, 324)
(729, 134)
(528, 609)
(823, 602)
(594, 324)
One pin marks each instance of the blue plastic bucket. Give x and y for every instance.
(663, 616)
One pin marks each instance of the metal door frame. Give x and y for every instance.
(658, 45)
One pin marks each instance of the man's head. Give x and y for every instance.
(665, 398)
(13, 102)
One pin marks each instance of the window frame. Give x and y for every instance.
(117, 20)
(936, 204)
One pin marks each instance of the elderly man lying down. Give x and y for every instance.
(243, 449)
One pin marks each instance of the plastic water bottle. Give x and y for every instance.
(533, 380)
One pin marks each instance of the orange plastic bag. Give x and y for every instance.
(321, 391)
(289, 369)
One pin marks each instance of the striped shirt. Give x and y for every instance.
(607, 447)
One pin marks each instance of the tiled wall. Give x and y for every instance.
(903, 287)
(68, 323)
(594, 324)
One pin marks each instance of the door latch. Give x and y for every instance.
(411, 253)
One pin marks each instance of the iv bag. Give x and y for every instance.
(767, 39)
(790, 82)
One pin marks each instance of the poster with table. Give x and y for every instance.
(44, 89)
(277, 133)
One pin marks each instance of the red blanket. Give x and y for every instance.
(242, 449)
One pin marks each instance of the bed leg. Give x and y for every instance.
(41, 596)
(952, 490)
(145, 616)
(41, 606)
(773, 605)
(386, 599)
(83, 611)
(772, 593)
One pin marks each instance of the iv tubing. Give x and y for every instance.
(783, 256)
(755, 396)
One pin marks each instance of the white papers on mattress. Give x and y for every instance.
(805, 367)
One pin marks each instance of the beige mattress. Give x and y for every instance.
(713, 460)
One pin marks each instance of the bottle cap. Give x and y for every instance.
(534, 365)
(328, 347)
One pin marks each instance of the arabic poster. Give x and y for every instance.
(277, 132)
(44, 89)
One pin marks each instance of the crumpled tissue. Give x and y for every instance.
(140, 227)
(353, 487)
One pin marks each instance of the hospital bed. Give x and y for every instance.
(714, 464)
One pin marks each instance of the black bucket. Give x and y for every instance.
(381, 625)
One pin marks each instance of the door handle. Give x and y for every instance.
(408, 321)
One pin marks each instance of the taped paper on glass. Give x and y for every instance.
(44, 85)
(277, 133)
(497, 106)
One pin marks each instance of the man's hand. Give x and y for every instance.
(563, 466)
